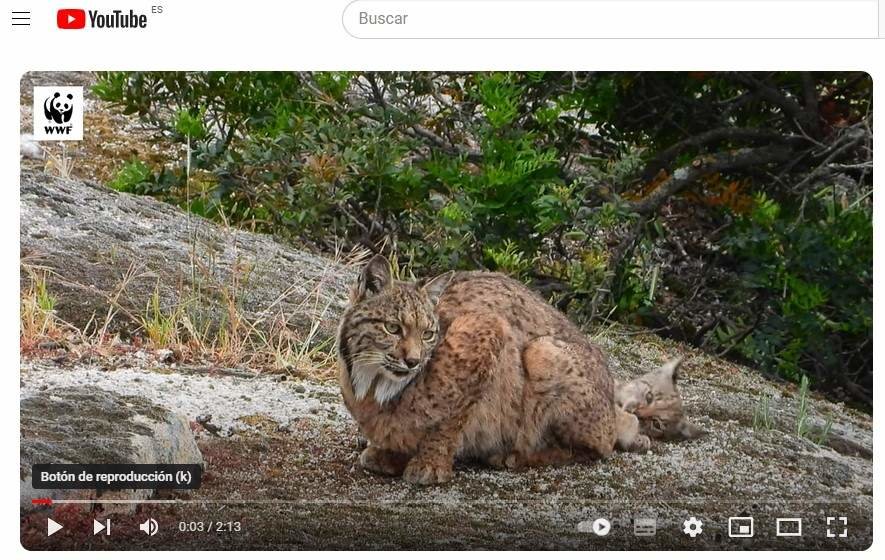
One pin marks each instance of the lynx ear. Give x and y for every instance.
(374, 278)
(671, 370)
(435, 287)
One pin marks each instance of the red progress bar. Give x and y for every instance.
(42, 501)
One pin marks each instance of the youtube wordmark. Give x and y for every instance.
(75, 18)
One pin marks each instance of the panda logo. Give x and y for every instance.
(58, 108)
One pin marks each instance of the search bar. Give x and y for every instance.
(612, 19)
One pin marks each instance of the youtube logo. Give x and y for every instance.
(75, 18)
(71, 18)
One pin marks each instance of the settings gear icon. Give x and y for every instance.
(692, 526)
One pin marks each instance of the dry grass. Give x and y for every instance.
(260, 341)
(60, 163)
(38, 322)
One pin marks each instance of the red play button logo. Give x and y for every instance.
(70, 18)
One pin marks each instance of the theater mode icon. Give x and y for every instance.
(789, 526)
(70, 18)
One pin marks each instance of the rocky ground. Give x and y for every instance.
(278, 447)
(280, 455)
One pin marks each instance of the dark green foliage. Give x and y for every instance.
(811, 280)
(730, 210)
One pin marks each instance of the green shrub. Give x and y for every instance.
(132, 177)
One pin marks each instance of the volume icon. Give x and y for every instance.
(150, 527)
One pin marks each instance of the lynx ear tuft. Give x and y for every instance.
(374, 278)
(435, 287)
(671, 369)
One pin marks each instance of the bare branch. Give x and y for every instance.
(707, 165)
(791, 108)
(725, 134)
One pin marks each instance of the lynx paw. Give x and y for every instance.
(641, 444)
(427, 472)
(515, 461)
(496, 461)
(383, 462)
(552, 456)
(502, 461)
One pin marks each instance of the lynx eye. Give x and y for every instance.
(429, 335)
(649, 397)
(392, 329)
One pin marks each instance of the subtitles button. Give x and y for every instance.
(645, 526)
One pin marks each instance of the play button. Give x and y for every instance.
(601, 527)
(52, 527)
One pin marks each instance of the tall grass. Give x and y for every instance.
(38, 321)
(61, 164)
(177, 321)
(762, 418)
(805, 425)
(160, 327)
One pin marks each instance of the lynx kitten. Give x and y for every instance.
(654, 409)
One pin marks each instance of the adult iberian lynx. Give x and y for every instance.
(471, 365)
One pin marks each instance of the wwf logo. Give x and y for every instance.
(59, 108)
(58, 113)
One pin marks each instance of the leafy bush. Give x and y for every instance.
(133, 177)
(807, 271)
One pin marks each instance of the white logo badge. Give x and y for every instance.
(58, 113)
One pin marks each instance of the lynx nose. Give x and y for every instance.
(411, 362)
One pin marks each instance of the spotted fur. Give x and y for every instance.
(469, 365)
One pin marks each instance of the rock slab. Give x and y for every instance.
(90, 425)
(108, 249)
